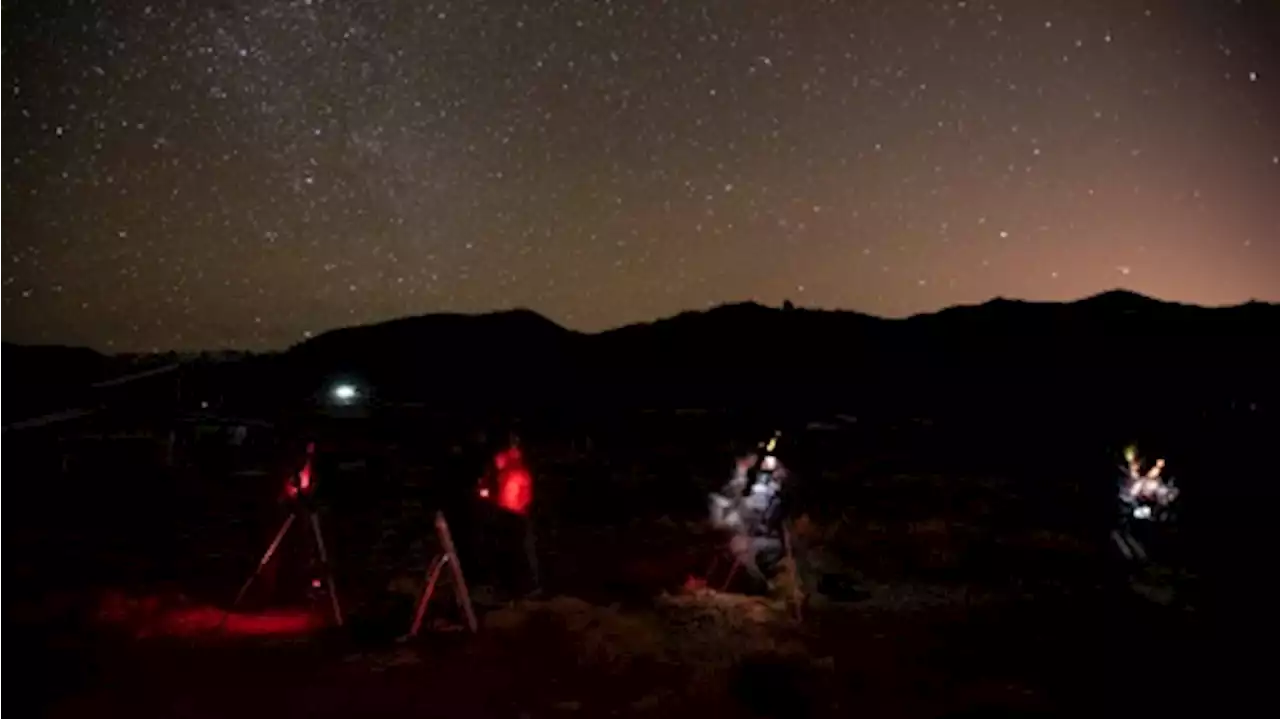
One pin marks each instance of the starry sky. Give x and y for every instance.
(201, 174)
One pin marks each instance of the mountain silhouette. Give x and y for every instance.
(1119, 343)
(45, 378)
(1117, 348)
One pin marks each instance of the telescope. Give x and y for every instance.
(298, 492)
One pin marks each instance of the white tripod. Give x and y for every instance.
(447, 556)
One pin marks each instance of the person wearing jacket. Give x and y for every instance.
(506, 493)
(751, 509)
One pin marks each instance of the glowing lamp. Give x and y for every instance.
(300, 483)
(344, 393)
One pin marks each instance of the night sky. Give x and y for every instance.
(246, 173)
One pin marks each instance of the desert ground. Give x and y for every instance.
(936, 584)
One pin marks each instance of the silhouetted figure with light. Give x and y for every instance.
(1146, 498)
(506, 492)
(751, 508)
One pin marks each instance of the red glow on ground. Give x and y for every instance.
(157, 617)
(200, 620)
(693, 585)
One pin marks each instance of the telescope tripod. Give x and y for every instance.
(309, 516)
(1131, 548)
(736, 563)
(448, 555)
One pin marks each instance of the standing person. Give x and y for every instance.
(507, 488)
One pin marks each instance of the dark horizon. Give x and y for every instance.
(270, 350)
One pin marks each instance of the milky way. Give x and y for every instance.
(248, 173)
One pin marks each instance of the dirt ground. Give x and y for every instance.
(913, 651)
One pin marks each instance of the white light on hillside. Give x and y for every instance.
(345, 393)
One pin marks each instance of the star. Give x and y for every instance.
(251, 174)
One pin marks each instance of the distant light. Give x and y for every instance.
(345, 393)
(1142, 512)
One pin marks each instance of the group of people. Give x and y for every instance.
(486, 490)
(487, 494)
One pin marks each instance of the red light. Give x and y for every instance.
(304, 476)
(302, 483)
(516, 490)
(150, 617)
(508, 457)
(514, 483)
(201, 620)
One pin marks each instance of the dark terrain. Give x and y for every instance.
(957, 469)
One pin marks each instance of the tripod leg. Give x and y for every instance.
(433, 575)
(328, 571)
(797, 592)
(266, 557)
(733, 572)
(1139, 551)
(459, 581)
(463, 595)
(1121, 545)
